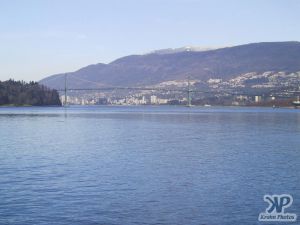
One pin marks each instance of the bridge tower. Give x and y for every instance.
(66, 99)
(189, 102)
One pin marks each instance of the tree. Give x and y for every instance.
(22, 93)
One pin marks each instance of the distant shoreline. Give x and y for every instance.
(193, 106)
(17, 106)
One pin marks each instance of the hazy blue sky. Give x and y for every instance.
(43, 37)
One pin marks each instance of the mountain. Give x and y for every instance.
(150, 69)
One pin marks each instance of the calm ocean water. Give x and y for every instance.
(146, 165)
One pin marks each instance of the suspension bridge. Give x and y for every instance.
(188, 91)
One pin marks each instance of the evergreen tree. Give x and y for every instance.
(22, 93)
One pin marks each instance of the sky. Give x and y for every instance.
(39, 38)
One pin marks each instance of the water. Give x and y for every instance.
(146, 165)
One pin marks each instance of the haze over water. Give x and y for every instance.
(146, 165)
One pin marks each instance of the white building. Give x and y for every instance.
(153, 99)
(162, 101)
(257, 98)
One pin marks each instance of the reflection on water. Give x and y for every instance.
(145, 165)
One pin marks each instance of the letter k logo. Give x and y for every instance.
(278, 203)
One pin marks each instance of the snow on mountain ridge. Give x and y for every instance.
(183, 49)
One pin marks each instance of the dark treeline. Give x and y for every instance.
(21, 93)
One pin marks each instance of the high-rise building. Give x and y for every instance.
(153, 99)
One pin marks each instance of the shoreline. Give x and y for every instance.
(192, 106)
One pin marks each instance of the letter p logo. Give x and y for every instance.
(278, 203)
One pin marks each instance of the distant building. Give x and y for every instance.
(62, 99)
(214, 81)
(242, 98)
(162, 101)
(143, 101)
(257, 98)
(153, 99)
